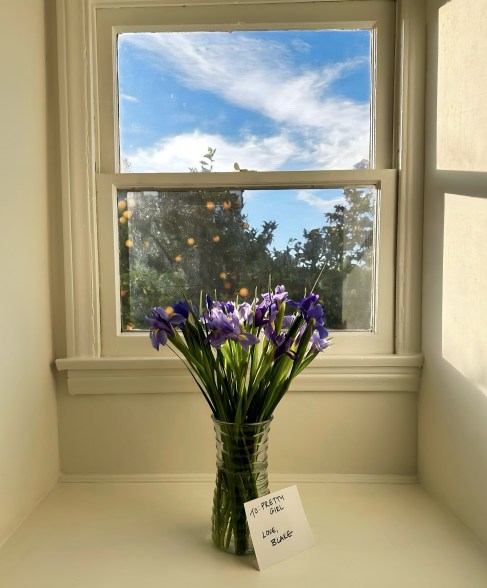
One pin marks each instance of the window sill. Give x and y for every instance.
(167, 375)
(150, 535)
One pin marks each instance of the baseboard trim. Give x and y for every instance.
(210, 478)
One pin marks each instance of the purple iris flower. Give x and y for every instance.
(318, 314)
(162, 323)
(279, 295)
(244, 311)
(318, 343)
(182, 308)
(310, 309)
(227, 326)
(229, 307)
(306, 303)
(323, 333)
(282, 342)
(226, 307)
(270, 333)
(309, 301)
(270, 305)
(259, 315)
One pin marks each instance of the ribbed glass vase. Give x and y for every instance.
(241, 460)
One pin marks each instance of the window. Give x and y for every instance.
(338, 156)
(285, 106)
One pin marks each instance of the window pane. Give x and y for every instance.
(268, 100)
(230, 241)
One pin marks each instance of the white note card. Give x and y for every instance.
(278, 526)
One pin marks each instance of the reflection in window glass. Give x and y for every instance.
(269, 100)
(228, 241)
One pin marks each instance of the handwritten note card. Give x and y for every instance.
(278, 526)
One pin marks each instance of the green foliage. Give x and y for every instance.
(142, 285)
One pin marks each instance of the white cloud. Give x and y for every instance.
(300, 45)
(129, 98)
(317, 126)
(322, 204)
(184, 151)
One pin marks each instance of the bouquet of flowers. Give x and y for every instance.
(243, 357)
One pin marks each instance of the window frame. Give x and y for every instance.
(87, 357)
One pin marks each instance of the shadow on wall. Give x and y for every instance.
(461, 163)
(452, 454)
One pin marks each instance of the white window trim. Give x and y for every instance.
(88, 370)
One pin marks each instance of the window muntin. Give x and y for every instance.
(271, 100)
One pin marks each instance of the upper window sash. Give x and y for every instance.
(378, 16)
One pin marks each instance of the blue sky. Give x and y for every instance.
(281, 100)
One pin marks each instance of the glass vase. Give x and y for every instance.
(241, 460)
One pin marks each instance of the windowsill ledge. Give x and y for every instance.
(125, 535)
(156, 375)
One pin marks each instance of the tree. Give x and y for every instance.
(342, 247)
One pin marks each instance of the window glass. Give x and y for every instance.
(229, 241)
(266, 100)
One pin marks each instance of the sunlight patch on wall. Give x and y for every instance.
(462, 86)
(465, 287)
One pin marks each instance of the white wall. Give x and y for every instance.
(453, 399)
(28, 426)
(313, 432)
